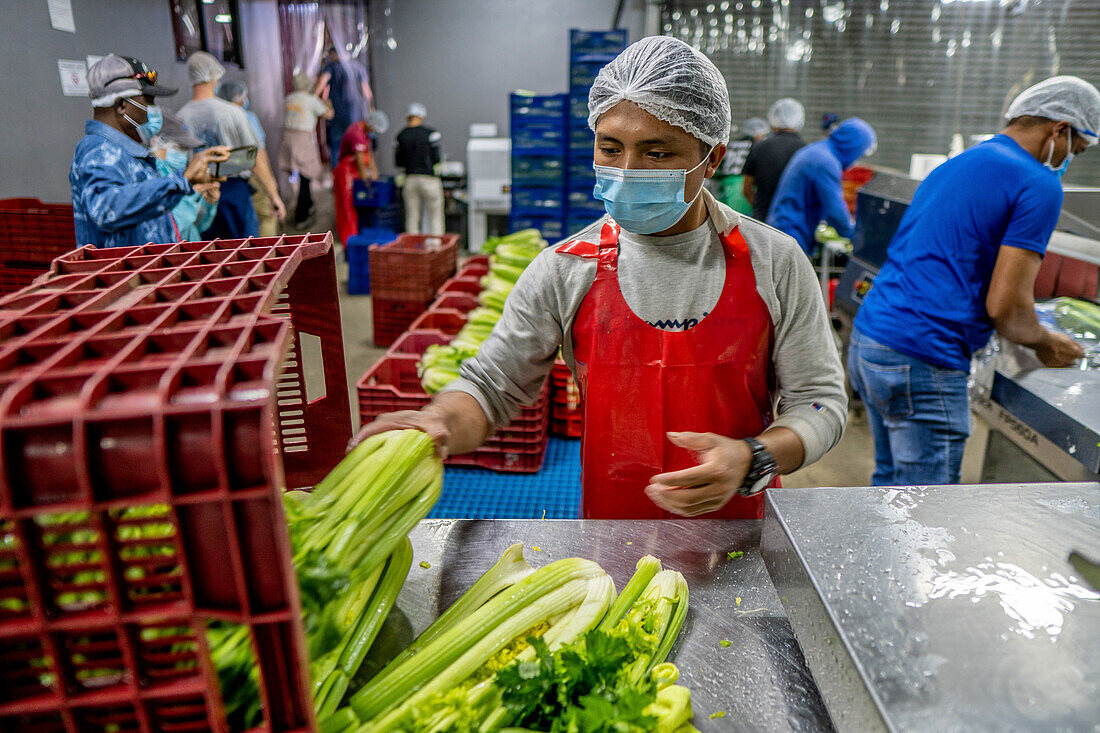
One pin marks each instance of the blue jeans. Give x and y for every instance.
(919, 414)
(236, 217)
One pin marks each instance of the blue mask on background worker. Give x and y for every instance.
(644, 200)
(1061, 170)
(154, 119)
(174, 161)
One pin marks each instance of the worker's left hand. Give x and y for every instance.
(279, 208)
(211, 192)
(723, 465)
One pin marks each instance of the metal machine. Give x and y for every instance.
(489, 180)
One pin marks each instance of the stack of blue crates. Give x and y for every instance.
(356, 249)
(589, 51)
(538, 163)
(376, 204)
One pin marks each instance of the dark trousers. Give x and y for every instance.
(305, 200)
(236, 217)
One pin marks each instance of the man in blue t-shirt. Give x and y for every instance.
(348, 93)
(963, 263)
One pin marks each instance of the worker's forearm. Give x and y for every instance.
(748, 189)
(1021, 326)
(361, 163)
(786, 447)
(465, 420)
(265, 176)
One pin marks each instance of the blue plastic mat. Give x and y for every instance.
(477, 493)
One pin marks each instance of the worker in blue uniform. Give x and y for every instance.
(810, 191)
(119, 198)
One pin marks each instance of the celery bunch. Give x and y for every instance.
(439, 366)
(557, 645)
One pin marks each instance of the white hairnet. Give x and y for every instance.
(1062, 99)
(302, 82)
(378, 121)
(202, 67)
(755, 126)
(787, 114)
(416, 109)
(670, 80)
(233, 91)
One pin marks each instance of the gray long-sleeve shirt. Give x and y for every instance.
(671, 283)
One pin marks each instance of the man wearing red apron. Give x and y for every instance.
(698, 337)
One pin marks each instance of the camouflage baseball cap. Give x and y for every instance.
(114, 77)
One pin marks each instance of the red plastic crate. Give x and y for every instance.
(392, 384)
(474, 270)
(166, 374)
(565, 402)
(33, 233)
(393, 317)
(462, 285)
(446, 322)
(413, 267)
(413, 343)
(461, 302)
(16, 276)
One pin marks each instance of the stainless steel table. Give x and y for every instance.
(760, 681)
(949, 608)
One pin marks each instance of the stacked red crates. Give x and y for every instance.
(144, 394)
(32, 234)
(565, 402)
(404, 277)
(393, 383)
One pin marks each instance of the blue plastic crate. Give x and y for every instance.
(581, 140)
(580, 202)
(387, 217)
(583, 73)
(579, 172)
(551, 227)
(544, 107)
(538, 201)
(374, 194)
(538, 138)
(547, 172)
(574, 224)
(582, 41)
(578, 110)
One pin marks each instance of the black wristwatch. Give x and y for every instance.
(761, 471)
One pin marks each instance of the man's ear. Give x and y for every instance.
(715, 159)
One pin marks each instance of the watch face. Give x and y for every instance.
(757, 486)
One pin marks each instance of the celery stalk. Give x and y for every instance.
(499, 636)
(675, 623)
(397, 569)
(644, 571)
(397, 681)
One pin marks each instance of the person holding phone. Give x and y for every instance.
(218, 122)
(119, 198)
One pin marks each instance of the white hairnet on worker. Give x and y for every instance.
(378, 121)
(670, 80)
(755, 127)
(1062, 99)
(202, 67)
(787, 114)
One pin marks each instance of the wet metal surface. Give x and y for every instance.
(760, 681)
(948, 608)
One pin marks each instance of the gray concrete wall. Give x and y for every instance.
(39, 127)
(462, 58)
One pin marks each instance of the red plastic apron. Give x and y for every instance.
(638, 382)
(344, 175)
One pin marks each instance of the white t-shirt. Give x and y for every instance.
(301, 111)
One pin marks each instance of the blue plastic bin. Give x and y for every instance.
(374, 194)
(538, 201)
(551, 228)
(589, 42)
(538, 171)
(358, 263)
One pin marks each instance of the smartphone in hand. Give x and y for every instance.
(240, 160)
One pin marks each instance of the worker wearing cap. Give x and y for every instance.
(356, 162)
(119, 199)
(810, 189)
(417, 153)
(218, 122)
(698, 337)
(768, 158)
(961, 265)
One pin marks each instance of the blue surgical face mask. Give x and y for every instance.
(174, 161)
(154, 120)
(644, 200)
(1061, 170)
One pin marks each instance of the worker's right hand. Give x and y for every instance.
(198, 170)
(1058, 350)
(423, 420)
